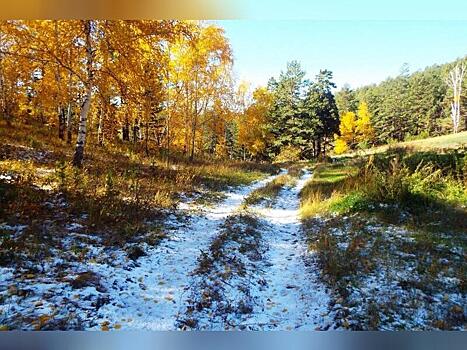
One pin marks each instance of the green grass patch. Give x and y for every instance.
(325, 188)
(420, 189)
(435, 144)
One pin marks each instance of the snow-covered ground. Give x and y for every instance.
(388, 279)
(151, 295)
(261, 276)
(117, 292)
(294, 297)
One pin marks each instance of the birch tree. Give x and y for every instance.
(454, 81)
(81, 139)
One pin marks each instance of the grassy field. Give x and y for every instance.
(396, 220)
(451, 141)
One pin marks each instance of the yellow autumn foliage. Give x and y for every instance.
(354, 129)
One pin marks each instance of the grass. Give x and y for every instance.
(445, 142)
(269, 191)
(350, 210)
(420, 183)
(294, 169)
(354, 249)
(324, 188)
(230, 258)
(120, 193)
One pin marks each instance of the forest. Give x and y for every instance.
(168, 85)
(144, 186)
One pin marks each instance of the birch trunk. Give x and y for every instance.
(68, 123)
(61, 123)
(81, 139)
(83, 116)
(454, 81)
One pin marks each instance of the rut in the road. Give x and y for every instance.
(258, 273)
(294, 297)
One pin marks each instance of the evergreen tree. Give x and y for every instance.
(285, 113)
(323, 120)
(346, 100)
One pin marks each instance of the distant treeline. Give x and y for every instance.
(409, 106)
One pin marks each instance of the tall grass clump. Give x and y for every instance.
(410, 181)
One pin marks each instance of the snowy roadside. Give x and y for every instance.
(105, 288)
(387, 277)
(150, 295)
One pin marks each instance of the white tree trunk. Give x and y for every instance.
(68, 123)
(83, 116)
(81, 139)
(454, 80)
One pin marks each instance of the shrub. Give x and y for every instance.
(385, 184)
(288, 154)
(355, 201)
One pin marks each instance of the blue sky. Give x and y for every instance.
(359, 52)
(351, 9)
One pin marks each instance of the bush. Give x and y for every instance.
(355, 201)
(387, 184)
(288, 154)
(452, 163)
(412, 180)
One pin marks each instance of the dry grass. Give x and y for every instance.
(438, 143)
(269, 191)
(328, 184)
(120, 193)
(225, 266)
(354, 249)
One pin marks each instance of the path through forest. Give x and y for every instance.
(155, 294)
(265, 280)
(294, 298)
(260, 275)
(151, 295)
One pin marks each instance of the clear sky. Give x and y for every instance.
(358, 52)
(350, 9)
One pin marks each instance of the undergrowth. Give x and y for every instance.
(430, 188)
(120, 193)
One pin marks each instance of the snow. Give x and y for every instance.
(295, 298)
(15, 228)
(398, 291)
(152, 293)
(6, 178)
(278, 288)
(144, 294)
(281, 289)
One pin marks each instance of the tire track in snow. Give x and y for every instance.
(151, 294)
(294, 298)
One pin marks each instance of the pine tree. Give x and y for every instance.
(285, 117)
(323, 118)
(346, 100)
